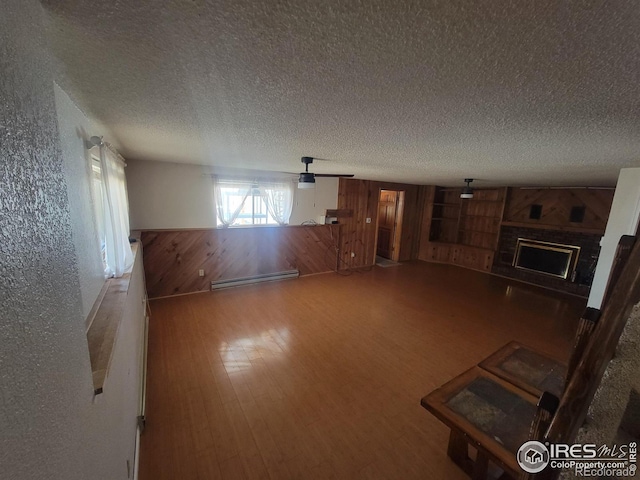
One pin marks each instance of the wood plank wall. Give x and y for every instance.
(556, 208)
(172, 258)
(357, 236)
(425, 227)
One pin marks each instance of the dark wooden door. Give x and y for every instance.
(387, 210)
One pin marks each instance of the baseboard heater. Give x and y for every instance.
(265, 277)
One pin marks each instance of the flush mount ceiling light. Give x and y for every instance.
(467, 192)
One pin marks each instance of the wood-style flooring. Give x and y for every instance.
(321, 377)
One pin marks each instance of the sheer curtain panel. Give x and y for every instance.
(252, 201)
(229, 206)
(279, 199)
(118, 256)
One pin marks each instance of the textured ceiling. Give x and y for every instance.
(509, 92)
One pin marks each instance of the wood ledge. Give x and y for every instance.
(237, 228)
(107, 315)
(565, 228)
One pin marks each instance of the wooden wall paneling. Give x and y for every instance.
(444, 253)
(359, 237)
(472, 257)
(410, 222)
(481, 218)
(456, 257)
(505, 198)
(417, 223)
(427, 193)
(172, 258)
(556, 207)
(437, 252)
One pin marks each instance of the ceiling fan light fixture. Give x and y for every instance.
(306, 180)
(467, 192)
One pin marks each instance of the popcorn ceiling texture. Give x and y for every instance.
(508, 92)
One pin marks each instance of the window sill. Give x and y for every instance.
(106, 316)
(239, 227)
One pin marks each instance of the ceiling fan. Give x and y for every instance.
(307, 179)
(467, 192)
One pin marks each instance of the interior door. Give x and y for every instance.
(387, 210)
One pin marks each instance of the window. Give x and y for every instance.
(111, 209)
(253, 209)
(241, 202)
(98, 206)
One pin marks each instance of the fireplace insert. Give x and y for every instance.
(548, 258)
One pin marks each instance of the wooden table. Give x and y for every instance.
(487, 413)
(528, 369)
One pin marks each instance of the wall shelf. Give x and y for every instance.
(467, 234)
(466, 230)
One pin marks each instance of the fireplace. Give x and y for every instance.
(580, 274)
(554, 259)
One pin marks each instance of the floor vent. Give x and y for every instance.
(265, 277)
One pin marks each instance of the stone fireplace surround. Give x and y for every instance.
(589, 244)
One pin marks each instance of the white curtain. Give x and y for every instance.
(229, 210)
(231, 194)
(118, 256)
(278, 197)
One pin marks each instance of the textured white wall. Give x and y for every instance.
(50, 425)
(623, 220)
(74, 128)
(170, 195)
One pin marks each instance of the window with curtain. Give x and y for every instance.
(98, 206)
(243, 202)
(113, 220)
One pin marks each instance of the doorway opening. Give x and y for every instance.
(389, 232)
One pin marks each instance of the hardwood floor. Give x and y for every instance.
(321, 377)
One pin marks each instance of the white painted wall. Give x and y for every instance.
(74, 128)
(166, 195)
(51, 426)
(169, 195)
(623, 220)
(112, 415)
(310, 204)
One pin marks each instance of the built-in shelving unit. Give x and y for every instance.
(445, 216)
(482, 232)
(464, 231)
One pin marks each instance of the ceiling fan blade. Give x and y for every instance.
(333, 175)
